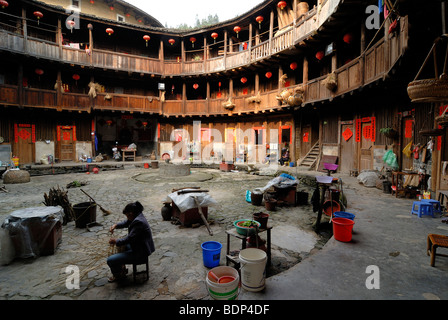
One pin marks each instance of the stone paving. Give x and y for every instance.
(176, 267)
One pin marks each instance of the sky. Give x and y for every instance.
(172, 13)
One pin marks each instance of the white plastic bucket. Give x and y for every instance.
(253, 269)
(223, 291)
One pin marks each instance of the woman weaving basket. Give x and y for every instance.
(139, 243)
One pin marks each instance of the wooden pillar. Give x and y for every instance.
(20, 85)
(208, 97)
(25, 31)
(249, 45)
(59, 38)
(184, 97)
(230, 88)
(363, 48)
(271, 30)
(305, 70)
(205, 54)
(90, 27)
(59, 90)
(182, 54)
(257, 83)
(225, 49)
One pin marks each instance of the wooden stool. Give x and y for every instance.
(134, 269)
(434, 241)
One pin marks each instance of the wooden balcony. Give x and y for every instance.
(371, 65)
(284, 39)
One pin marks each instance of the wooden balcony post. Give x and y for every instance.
(184, 97)
(182, 54)
(90, 27)
(25, 30)
(225, 49)
(305, 70)
(20, 85)
(205, 54)
(271, 30)
(208, 98)
(59, 37)
(59, 91)
(249, 45)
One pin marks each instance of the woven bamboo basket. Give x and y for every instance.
(435, 89)
(429, 90)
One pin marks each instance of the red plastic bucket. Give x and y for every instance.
(342, 229)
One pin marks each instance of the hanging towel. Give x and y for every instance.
(407, 150)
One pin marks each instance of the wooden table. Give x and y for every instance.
(234, 233)
(128, 154)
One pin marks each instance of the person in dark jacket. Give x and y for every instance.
(139, 243)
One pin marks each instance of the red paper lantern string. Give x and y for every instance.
(38, 15)
(146, 38)
(4, 4)
(193, 40)
(71, 24)
(281, 4)
(293, 66)
(259, 19)
(214, 36)
(320, 55)
(237, 29)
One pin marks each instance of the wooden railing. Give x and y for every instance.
(284, 39)
(371, 65)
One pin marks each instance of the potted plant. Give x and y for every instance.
(389, 132)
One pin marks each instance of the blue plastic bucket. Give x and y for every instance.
(346, 215)
(211, 253)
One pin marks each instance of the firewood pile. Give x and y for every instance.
(58, 197)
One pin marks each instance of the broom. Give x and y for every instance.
(105, 212)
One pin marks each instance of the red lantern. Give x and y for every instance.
(109, 122)
(146, 38)
(268, 75)
(38, 15)
(145, 123)
(71, 24)
(195, 86)
(110, 31)
(214, 36)
(281, 4)
(237, 29)
(92, 1)
(259, 19)
(243, 80)
(39, 72)
(76, 77)
(111, 8)
(293, 66)
(193, 40)
(171, 41)
(348, 38)
(4, 4)
(320, 55)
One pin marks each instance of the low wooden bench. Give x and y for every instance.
(435, 241)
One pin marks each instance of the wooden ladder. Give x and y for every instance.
(311, 157)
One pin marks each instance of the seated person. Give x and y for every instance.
(284, 158)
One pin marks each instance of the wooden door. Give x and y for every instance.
(408, 137)
(366, 145)
(347, 156)
(24, 143)
(67, 143)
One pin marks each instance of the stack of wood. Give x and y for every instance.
(58, 197)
